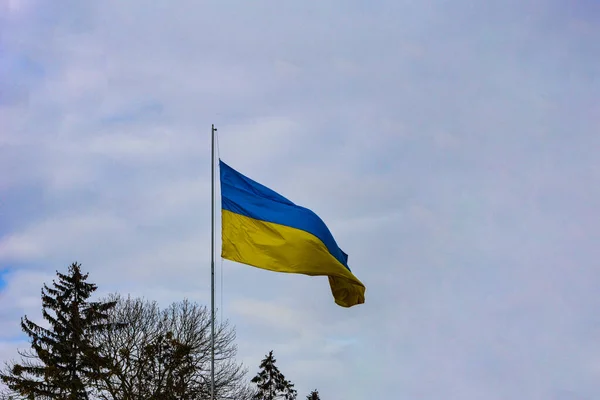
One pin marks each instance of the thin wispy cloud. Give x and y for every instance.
(450, 146)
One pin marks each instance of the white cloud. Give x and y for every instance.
(15, 6)
(62, 235)
(451, 149)
(20, 297)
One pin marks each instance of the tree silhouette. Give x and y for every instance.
(271, 383)
(314, 395)
(62, 360)
(164, 354)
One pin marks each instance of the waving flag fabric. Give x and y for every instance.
(263, 229)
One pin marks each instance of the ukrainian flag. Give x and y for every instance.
(263, 229)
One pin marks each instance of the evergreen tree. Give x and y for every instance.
(62, 361)
(314, 395)
(271, 383)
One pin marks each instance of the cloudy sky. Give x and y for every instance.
(451, 146)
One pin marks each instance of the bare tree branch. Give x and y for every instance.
(165, 354)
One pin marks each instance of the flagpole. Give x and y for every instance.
(212, 265)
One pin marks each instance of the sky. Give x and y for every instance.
(450, 146)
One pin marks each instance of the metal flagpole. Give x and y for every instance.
(212, 265)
